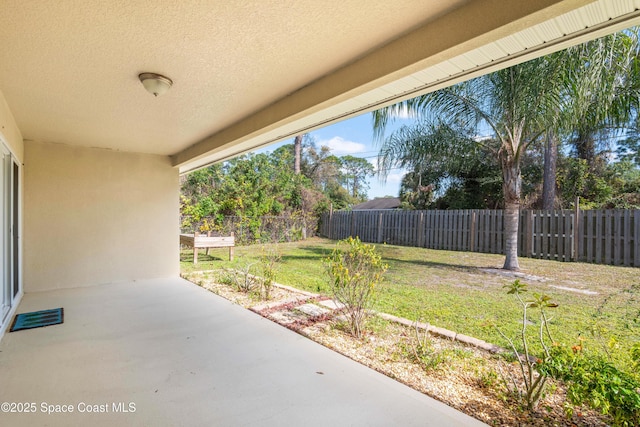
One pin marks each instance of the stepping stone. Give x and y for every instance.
(312, 310)
(271, 304)
(331, 304)
(285, 317)
(581, 291)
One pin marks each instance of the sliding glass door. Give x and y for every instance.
(9, 244)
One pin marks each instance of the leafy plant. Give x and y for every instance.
(354, 269)
(596, 382)
(422, 350)
(531, 385)
(269, 260)
(244, 280)
(226, 277)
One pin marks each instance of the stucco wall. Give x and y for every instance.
(96, 216)
(9, 131)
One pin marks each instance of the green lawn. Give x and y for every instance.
(448, 289)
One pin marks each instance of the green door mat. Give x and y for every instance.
(37, 319)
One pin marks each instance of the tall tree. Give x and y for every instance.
(297, 153)
(515, 104)
(355, 171)
(519, 104)
(606, 96)
(602, 82)
(550, 169)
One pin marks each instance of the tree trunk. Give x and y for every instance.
(549, 176)
(297, 154)
(511, 184)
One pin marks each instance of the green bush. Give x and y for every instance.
(422, 351)
(269, 259)
(354, 269)
(594, 381)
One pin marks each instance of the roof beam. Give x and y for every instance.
(473, 25)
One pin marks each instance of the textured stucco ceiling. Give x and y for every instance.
(68, 68)
(247, 73)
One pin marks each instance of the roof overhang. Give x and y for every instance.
(429, 58)
(247, 74)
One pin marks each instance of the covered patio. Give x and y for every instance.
(181, 355)
(90, 167)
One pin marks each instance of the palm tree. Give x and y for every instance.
(608, 97)
(514, 104)
(520, 104)
(602, 81)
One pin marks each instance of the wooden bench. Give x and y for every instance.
(197, 241)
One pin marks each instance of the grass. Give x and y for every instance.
(449, 290)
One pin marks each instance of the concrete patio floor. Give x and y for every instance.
(183, 356)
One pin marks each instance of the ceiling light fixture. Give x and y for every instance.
(155, 84)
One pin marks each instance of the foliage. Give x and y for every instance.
(355, 171)
(446, 166)
(615, 186)
(248, 188)
(269, 259)
(451, 290)
(243, 279)
(579, 94)
(253, 187)
(354, 269)
(516, 104)
(596, 382)
(529, 389)
(422, 350)
(578, 181)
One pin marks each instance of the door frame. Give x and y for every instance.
(13, 258)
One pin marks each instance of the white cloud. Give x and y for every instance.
(340, 146)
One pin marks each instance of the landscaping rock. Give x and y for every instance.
(271, 304)
(478, 343)
(331, 304)
(312, 310)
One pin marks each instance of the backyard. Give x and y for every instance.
(597, 315)
(463, 291)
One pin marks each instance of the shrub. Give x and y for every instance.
(354, 269)
(244, 280)
(529, 389)
(226, 277)
(596, 382)
(269, 260)
(422, 351)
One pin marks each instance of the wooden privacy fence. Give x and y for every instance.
(598, 236)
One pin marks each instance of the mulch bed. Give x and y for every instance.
(466, 378)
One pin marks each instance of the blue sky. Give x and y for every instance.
(355, 137)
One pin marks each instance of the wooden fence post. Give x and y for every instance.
(636, 238)
(380, 227)
(472, 237)
(576, 229)
(529, 235)
(421, 230)
(351, 225)
(330, 230)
